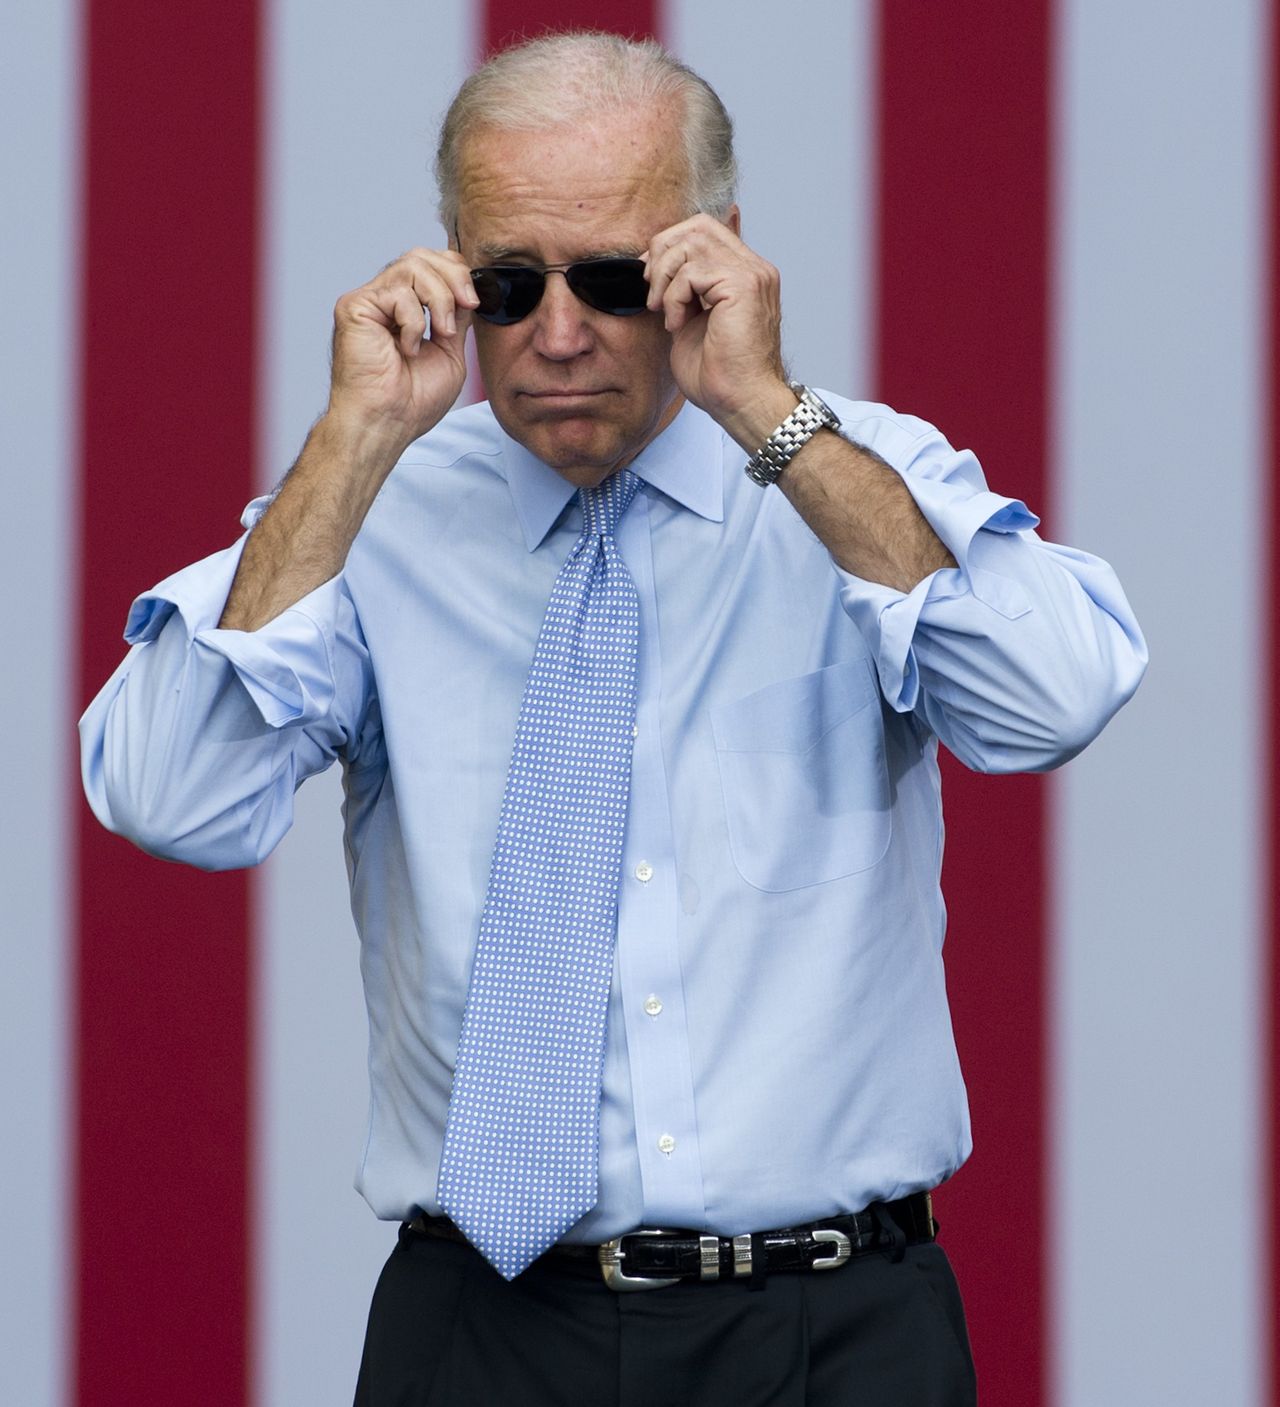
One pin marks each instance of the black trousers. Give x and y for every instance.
(445, 1330)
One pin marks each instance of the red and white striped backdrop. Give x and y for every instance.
(1051, 228)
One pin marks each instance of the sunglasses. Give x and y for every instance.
(510, 292)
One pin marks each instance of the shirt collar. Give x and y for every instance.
(685, 462)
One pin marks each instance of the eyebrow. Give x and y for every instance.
(505, 254)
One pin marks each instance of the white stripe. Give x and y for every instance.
(802, 98)
(1161, 297)
(38, 280)
(354, 99)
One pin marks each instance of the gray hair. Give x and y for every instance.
(572, 76)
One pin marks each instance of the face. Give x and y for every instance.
(585, 391)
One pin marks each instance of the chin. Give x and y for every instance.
(583, 476)
(585, 459)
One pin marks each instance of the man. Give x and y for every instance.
(639, 750)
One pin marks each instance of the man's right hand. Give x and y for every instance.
(391, 380)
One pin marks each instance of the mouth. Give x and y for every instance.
(565, 402)
(567, 394)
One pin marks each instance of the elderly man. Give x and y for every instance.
(642, 816)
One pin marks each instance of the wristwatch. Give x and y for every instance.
(810, 416)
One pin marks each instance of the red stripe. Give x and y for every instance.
(507, 21)
(961, 332)
(162, 984)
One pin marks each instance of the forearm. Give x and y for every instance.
(303, 538)
(856, 505)
(1015, 651)
(392, 382)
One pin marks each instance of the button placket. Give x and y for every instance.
(657, 1040)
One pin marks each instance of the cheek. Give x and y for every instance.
(645, 347)
(496, 350)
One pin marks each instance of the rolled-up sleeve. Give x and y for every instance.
(195, 745)
(1017, 656)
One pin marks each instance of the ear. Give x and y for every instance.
(734, 220)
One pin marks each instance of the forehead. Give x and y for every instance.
(572, 190)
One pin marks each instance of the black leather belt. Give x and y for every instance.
(649, 1258)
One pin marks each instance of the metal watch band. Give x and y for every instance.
(810, 416)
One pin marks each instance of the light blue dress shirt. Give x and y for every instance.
(779, 1041)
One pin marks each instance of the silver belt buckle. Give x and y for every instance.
(612, 1255)
(843, 1249)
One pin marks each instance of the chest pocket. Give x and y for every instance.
(802, 768)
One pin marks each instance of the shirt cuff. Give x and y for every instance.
(286, 666)
(959, 514)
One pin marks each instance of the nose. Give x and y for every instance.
(562, 328)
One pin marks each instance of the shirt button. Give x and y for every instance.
(644, 872)
(666, 1144)
(652, 1006)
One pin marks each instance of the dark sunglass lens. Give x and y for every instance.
(612, 285)
(507, 294)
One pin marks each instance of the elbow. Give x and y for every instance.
(178, 824)
(1042, 732)
(179, 763)
(1085, 704)
(168, 832)
(1071, 735)
(1058, 730)
(1035, 710)
(1086, 688)
(195, 848)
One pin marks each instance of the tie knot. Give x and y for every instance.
(603, 505)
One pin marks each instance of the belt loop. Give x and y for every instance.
(890, 1228)
(742, 1256)
(759, 1266)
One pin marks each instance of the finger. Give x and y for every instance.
(408, 319)
(413, 311)
(427, 270)
(687, 295)
(696, 247)
(425, 288)
(682, 232)
(667, 251)
(662, 268)
(446, 265)
(388, 308)
(454, 342)
(696, 235)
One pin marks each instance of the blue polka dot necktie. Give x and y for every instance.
(520, 1162)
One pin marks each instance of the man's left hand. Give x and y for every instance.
(721, 303)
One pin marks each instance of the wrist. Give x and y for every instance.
(790, 436)
(760, 416)
(367, 447)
